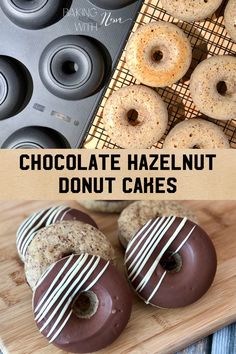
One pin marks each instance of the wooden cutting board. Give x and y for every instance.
(150, 330)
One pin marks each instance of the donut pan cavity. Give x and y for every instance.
(56, 59)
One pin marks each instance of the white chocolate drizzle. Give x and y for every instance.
(144, 243)
(29, 228)
(57, 301)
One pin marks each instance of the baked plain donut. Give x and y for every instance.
(213, 87)
(135, 117)
(191, 10)
(139, 213)
(164, 262)
(59, 240)
(196, 134)
(230, 19)
(158, 54)
(82, 304)
(105, 206)
(45, 217)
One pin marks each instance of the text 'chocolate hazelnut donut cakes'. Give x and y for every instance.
(158, 54)
(171, 262)
(82, 304)
(135, 117)
(62, 239)
(213, 87)
(196, 134)
(191, 10)
(45, 217)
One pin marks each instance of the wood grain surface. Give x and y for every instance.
(150, 330)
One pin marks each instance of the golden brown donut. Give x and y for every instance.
(60, 240)
(158, 54)
(213, 87)
(140, 131)
(191, 10)
(198, 134)
(230, 19)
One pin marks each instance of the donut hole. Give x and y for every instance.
(222, 88)
(70, 67)
(85, 305)
(171, 262)
(195, 146)
(132, 116)
(157, 55)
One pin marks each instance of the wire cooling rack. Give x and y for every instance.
(207, 38)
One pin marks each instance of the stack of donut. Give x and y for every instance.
(81, 303)
(159, 54)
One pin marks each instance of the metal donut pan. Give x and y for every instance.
(42, 44)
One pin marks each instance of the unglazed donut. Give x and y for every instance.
(213, 87)
(198, 134)
(230, 19)
(82, 304)
(59, 240)
(158, 54)
(164, 261)
(45, 217)
(139, 213)
(191, 10)
(105, 206)
(135, 117)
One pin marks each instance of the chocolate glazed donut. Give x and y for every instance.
(82, 304)
(170, 262)
(44, 218)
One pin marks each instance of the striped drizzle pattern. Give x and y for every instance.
(28, 229)
(56, 303)
(144, 243)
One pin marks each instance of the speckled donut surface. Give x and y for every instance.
(43, 218)
(205, 87)
(164, 262)
(191, 10)
(138, 213)
(59, 297)
(230, 19)
(105, 206)
(58, 240)
(150, 124)
(198, 134)
(158, 54)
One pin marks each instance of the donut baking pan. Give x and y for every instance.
(208, 38)
(56, 59)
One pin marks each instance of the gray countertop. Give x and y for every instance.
(222, 342)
